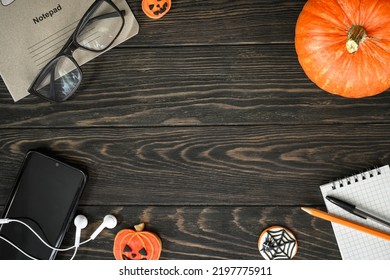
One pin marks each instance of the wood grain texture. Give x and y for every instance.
(194, 86)
(205, 127)
(218, 22)
(208, 232)
(243, 165)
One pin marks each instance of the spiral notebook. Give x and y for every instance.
(371, 191)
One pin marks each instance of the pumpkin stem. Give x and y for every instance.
(356, 35)
(139, 227)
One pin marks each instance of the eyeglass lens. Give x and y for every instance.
(62, 76)
(61, 79)
(101, 29)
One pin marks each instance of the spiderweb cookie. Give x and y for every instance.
(277, 243)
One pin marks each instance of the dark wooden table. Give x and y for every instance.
(205, 127)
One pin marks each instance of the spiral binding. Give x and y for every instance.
(341, 183)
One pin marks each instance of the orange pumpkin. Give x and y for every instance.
(137, 244)
(156, 9)
(344, 45)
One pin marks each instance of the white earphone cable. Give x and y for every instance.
(74, 253)
(109, 221)
(41, 239)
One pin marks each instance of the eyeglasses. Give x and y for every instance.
(96, 31)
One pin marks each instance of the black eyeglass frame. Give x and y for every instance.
(70, 46)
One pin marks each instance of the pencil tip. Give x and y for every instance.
(307, 210)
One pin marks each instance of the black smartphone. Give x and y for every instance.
(45, 197)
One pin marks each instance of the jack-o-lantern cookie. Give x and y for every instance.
(137, 244)
(156, 9)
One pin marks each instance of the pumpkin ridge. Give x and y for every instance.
(150, 243)
(116, 242)
(136, 234)
(149, 236)
(139, 235)
(373, 47)
(369, 14)
(337, 44)
(348, 16)
(375, 56)
(125, 237)
(328, 18)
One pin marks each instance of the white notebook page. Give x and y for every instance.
(369, 191)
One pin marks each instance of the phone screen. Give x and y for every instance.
(45, 197)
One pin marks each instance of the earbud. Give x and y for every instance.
(109, 221)
(80, 222)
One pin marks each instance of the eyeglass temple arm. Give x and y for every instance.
(52, 84)
(109, 15)
(105, 16)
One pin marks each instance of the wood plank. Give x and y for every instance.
(227, 165)
(194, 86)
(207, 232)
(218, 22)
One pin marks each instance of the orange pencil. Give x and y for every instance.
(332, 218)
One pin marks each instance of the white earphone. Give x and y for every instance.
(109, 221)
(80, 221)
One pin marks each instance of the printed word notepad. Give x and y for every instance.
(369, 190)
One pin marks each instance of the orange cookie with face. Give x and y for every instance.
(156, 9)
(137, 244)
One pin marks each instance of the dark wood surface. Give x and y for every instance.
(205, 127)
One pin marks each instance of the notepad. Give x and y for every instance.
(33, 32)
(371, 191)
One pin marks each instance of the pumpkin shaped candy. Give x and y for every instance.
(137, 244)
(156, 9)
(344, 45)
